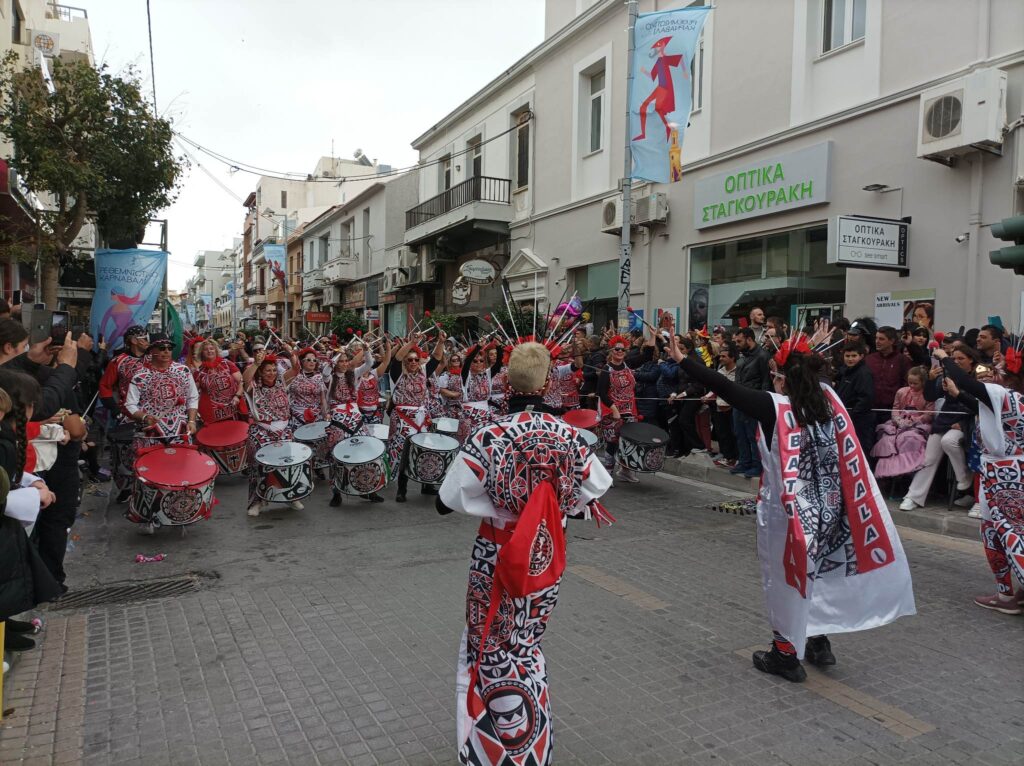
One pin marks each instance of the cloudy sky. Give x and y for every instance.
(273, 84)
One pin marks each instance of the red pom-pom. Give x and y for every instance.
(348, 330)
(629, 308)
(487, 317)
(939, 336)
(426, 313)
(359, 333)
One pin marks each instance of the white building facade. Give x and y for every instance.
(804, 111)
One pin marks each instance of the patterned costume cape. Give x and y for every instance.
(167, 395)
(305, 394)
(409, 415)
(491, 478)
(217, 389)
(1002, 482)
(622, 391)
(270, 424)
(831, 560)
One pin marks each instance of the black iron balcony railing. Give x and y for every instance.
(476, 189)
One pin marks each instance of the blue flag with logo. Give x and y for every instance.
(275, 259)
(659, 96)
(128, 284)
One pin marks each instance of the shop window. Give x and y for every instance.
(777, 272)
(842, 23)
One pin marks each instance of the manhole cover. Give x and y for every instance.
(122, 593)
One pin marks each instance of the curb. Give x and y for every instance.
(934, 518)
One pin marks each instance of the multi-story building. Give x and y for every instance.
(276, 209)
(38, 31)
(803, 111)
(204, 289)
(351, 242)
(228, 306)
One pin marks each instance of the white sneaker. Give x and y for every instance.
(625, 474)
(975, 512)
(254, 509)
(297, 505)
(908, 504)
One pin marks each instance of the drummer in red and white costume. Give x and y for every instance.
(269, 404)
(616, 390)
(307, 390)
(478, 370)
(563, 393)
(113, 392)
(449, 388)
(368, 386)
(219, 383)
(409, 405)
(163, 398)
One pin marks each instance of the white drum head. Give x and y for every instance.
(435, 442)
(358, 449)
(283, 454)
(311, 432)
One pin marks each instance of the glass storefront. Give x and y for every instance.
(783, 273)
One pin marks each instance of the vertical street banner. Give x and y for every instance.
(659, 97)
(128, 284)
(275, 256)
(190, 315)
(172, 321)
(207, 307)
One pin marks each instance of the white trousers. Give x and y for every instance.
(950, 443)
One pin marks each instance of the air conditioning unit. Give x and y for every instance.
(407, 257)
(651, 208)
(965, 115)
(394, 279)
(332, 295)
(611, 214)
(431, 260)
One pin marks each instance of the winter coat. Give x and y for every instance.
(752, 369)
(25, 581)
(647, 375)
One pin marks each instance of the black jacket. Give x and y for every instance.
(25, 581)
(752, 369)
(856, 388)
(58, 384)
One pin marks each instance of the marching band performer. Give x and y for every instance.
(409, 404)
(478, 369)
(831, 560)
(564, 380)
(449, 389)
(219, 383)
(503, 703)
(163, 398)
(616, 391)
(368, 386)
(270, 415)
(113, 392)
(307, 390)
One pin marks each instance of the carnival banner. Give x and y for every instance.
(207, 312)
(190, 315)
(659, 97)
(275, 259)
(128, 284)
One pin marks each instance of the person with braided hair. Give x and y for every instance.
(831, 559)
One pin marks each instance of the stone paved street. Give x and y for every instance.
(329, 636)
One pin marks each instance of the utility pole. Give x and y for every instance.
(625, 246)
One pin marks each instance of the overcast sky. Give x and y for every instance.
(273, 84)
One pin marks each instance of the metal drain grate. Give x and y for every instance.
(135, 591)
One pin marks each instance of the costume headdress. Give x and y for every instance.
(795, 345)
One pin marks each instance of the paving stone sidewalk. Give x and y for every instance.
(329, 636)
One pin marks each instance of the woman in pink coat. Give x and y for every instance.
(900, 442)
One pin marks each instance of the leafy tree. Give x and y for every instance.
(346, 324)
(93, 148)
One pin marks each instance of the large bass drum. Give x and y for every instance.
(284, 472)
(642, 447)
(314, 436)
(173, 487)
(430, 457)
(360, 466)
(225, 441)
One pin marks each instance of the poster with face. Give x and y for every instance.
(920, 312)
(698, 311)
(668, 318)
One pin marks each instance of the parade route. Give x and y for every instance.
(329, 636)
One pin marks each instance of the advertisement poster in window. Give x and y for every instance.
(668, 318)
(901, 307)
(698, 316)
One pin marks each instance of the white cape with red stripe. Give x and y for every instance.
(859, 578)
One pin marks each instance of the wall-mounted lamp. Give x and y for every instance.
(876, 187)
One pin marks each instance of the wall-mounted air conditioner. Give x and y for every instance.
(651, 208)
(964, 115)
(611, 214)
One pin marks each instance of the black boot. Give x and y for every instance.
(335, 499)
(123, 495)
(819, 652)
(16, 642)
(19, 626)
(373, 497)
(775, 662)
(428, 489)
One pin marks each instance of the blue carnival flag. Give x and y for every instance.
(207, 299)
(659, 97)
(128, 284)
(275, 258)
(190, 315)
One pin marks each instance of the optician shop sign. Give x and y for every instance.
(870, 243)
(763, 187)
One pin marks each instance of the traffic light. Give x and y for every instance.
(1012, 230)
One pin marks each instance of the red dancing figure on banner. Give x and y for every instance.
(664, 94)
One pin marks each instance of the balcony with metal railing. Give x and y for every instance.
(481, 202)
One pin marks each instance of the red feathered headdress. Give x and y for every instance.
(796, 345)
(269, 358)
(418, 351)
(617, 340)
(1013, 359)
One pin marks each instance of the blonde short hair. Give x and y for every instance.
(528, 367)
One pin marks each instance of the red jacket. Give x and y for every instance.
(890, 374)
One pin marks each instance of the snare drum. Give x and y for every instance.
(225, 442)
(122, 455)
(592, 440)
(642, 447)
(430, 456)
(379, 431)
(446, 426)
(314, 436)
(584, 420)
(284, 472)
(360, 466)
(173, 486)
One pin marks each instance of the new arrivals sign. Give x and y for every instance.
(770, 185)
